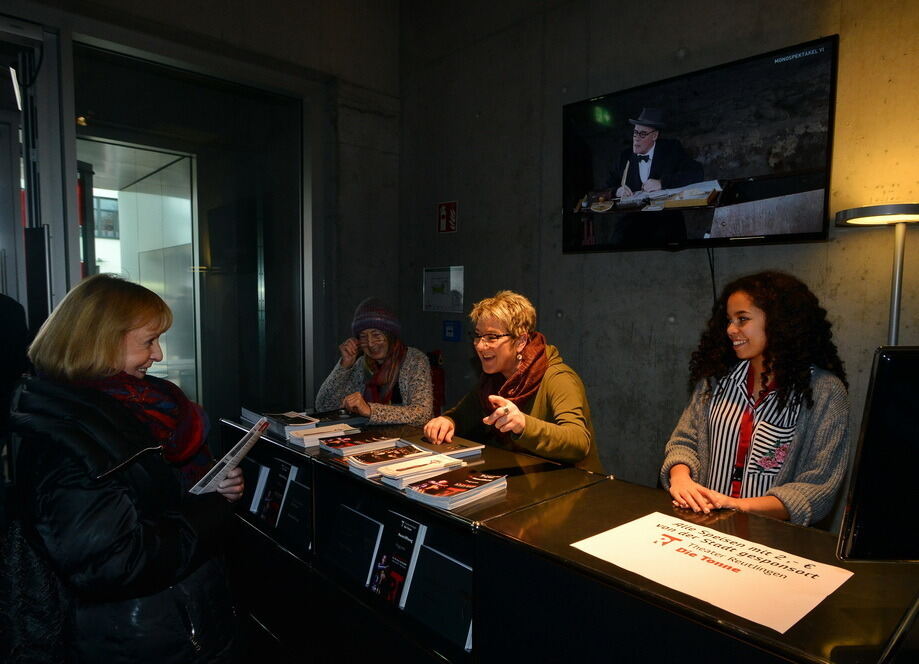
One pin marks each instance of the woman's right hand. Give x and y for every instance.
(349, 350)
(687, 493)
(439, 430)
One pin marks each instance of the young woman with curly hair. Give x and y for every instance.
(766, 429)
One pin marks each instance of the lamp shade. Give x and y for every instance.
(878, 215)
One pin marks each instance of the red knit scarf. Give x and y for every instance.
(174, 421)
(524, 382)
(378, 387)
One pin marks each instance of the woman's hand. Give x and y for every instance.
(689, 494)
(349, 350)
(440, 430)
(233, 486)
(507, 417)
(354, 403)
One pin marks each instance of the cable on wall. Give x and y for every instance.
(711, 268)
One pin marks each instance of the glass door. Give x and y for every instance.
(204, 178)
(140, 224)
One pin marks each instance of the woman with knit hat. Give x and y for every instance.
(378, 376)
(527, 399)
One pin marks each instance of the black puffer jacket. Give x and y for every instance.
(137, 555)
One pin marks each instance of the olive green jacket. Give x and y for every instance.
(557, 425)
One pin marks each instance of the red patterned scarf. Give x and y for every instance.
(174, 421)
(524, 382)
(381, 378)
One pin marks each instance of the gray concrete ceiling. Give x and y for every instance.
(118, 166)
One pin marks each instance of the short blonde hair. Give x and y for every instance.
(83, 338)
(511, 309)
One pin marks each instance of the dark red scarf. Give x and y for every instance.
(382, 378)
(174, 421)
(523, 383)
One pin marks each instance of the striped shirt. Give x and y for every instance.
(771, 434)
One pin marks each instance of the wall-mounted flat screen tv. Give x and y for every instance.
(735, 154)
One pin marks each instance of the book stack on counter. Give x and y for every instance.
(312, 437)
(281, 424)
(368, 464)
(356, 443)
(340, 416)
(456, 488)
(401, 474)
(458, 447)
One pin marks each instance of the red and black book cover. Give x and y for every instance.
(401, 537)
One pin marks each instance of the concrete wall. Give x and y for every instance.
(482, 88)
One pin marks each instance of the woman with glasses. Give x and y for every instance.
(527, 399)
(378, 376)
(766, 429)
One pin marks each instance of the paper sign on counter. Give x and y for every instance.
(771, 587)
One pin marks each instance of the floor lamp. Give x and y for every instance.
(881, 215)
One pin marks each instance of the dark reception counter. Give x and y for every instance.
(506, 566)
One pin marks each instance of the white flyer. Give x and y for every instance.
(768, 586)
(230, 460)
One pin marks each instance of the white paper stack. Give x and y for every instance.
(401, 474)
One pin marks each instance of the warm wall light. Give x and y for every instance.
(899, 215)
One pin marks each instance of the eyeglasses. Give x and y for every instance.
(370, 337)
(643, 134)
(487, 339)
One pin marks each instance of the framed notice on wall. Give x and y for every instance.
(442, 289)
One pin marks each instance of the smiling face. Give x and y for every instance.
(746, 329)
(374, 343)
(500, 355)
(142, 349)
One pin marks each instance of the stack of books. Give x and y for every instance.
(340, 416)
(459, 447)
(281, 424)
(312, 437)
(368, 464)
(356, 443)
(456, 488)
(401, 474)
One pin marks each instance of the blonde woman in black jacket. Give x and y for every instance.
(105, 457)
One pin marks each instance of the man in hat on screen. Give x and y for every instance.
(653, 162)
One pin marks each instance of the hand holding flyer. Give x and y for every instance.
(230, 460)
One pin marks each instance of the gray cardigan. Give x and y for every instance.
(417, 405)
(817, 460)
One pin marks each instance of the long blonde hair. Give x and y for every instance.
(83, 338)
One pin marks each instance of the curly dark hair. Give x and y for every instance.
(797, 332)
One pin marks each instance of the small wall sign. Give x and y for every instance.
(446, 217)
(453, 329)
